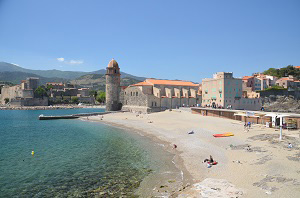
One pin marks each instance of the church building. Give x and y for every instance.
(151, 95)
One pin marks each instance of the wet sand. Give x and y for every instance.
(269, 169)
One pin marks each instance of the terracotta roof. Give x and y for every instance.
(171, 82)
(298, 67)
(53, 83)
(142, 84)
(247, 77)
(285, 78)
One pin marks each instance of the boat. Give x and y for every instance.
(223, 135)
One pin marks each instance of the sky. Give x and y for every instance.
(169, 39)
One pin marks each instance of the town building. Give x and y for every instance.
(288, 82)
(65, 91)
(225, 91)
(153, 95)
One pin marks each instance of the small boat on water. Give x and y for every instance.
(42, 117)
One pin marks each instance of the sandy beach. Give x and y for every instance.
(268, 169)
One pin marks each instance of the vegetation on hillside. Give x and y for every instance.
(17, 77)
(282, 72)
(98, 81)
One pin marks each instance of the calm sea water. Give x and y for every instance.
(72, 158)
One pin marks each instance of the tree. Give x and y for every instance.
(6, 100)
(40, 92)
(93, 93)
(74, 99)
(101, 96)
(49, 87)
(284, 71)
(271, 72)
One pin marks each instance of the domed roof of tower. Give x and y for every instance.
(113, 64)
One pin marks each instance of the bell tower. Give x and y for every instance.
(113, 86)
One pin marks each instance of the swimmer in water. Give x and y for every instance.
(32, 152)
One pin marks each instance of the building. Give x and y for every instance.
(22, 94)
(55, 85)
(113, 88)
(288, 82)
(225, 91)
(153, 95)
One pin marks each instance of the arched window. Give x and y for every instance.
(115, 71)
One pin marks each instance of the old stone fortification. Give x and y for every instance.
(14, 92)
(29, 102)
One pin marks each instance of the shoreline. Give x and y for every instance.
(50, 107)
(239, 173)
(177, 161)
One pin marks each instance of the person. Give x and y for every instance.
(211, 160)
(174, 146)
(290, 145)
(249, 124)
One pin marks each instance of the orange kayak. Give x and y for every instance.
(223, 135)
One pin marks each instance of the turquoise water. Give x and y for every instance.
(72, 158)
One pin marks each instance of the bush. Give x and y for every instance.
(74, 99)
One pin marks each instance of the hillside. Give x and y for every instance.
(284, 71)
(97, 81)
(16, 77)
(123, 75)
(8, 67)
(70, 75)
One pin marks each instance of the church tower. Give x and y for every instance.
(113, 86)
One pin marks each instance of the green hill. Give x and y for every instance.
(97, 81)
(284, 71)
(70, 75)
(17, 77)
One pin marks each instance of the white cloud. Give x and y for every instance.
(60, 59)
(71, 62)
(75, 62)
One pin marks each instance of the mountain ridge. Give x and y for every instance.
(69, 75)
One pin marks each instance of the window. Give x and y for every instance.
(115, 71)
(136, 93)
(131, 93)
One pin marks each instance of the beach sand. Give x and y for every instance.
(269, 169)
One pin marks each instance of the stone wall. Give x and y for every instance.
(29, 102)
(15, 92)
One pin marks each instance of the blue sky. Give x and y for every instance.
(187, 40)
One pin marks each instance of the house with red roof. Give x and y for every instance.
(154, 95)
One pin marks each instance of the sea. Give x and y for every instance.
(76, 158)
